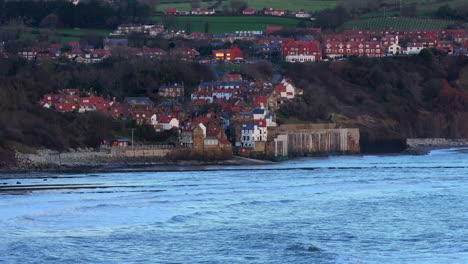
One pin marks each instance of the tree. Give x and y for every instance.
(206, 27)
(237, 6)
(409, 11)
(332, 18)
(188, 28)
(446, 12)
(195, 3)
(169, 21)
(51, 21)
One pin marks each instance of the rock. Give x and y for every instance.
(313, 249)
(18, 182)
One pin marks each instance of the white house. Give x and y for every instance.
(154, 120)
(286, 90)
(168, 122)
(252, 133)
(394, 48)
(302, 14)
(414, 48)
(259, 114)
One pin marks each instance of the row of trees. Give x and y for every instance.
(93, 14)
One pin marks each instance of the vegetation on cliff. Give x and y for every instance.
(389, 99)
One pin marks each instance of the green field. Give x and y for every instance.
(82, 32)
(59, 35)
(230, 24)
(398, 23)
(292, 5)
(181, 6)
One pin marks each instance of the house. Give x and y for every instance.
(414, 48)
(138, 101)
(167, 123)
(151, 53)
(202, 11)
(285, 90)
(335, 49)
(302, 14)
(228, 54)
(171, 12)
(92, 104)
(142, 116)
(175, 90)
(446, 46)
(120, 143)
(126, 29)
(186, 135)
(273, 12)
(155, 30)
(110, 43)
(66, 107)
(394, 49)
(185, 52)
(272, 29)
(251, 133)
(249, 11)
(301, 51)
(259, 114)
(232, 78)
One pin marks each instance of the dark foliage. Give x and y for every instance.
(22, 84)
(390, 99)
(92, 14)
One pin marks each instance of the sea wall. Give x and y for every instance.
(323, 140)
(90, 157)
(306, 139)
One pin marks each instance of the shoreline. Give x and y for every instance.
(158, 166)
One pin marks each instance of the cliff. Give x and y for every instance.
(388, 99)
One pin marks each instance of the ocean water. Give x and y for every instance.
(352, 209)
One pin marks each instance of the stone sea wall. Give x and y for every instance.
(88, 157)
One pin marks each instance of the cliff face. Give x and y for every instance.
(388, 99)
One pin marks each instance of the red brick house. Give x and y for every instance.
(229, 54)
(171, 11)
(334, 49)
(301, 51)
(249, 11)
(202, 11)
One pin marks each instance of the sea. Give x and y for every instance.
(348, 209)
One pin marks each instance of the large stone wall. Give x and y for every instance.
(302, 139)
(140, 152)
(323, 140)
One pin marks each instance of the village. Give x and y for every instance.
(289, 44)
(244, 120)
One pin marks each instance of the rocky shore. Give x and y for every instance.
(422, 146)
(91, 160)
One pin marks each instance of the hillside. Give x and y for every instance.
(390, 99)
(26, 126)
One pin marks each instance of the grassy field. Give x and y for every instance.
(292, 5)
(59, 35)
(398, 23)
(82, 32)
(231, 24)
(181, 6)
